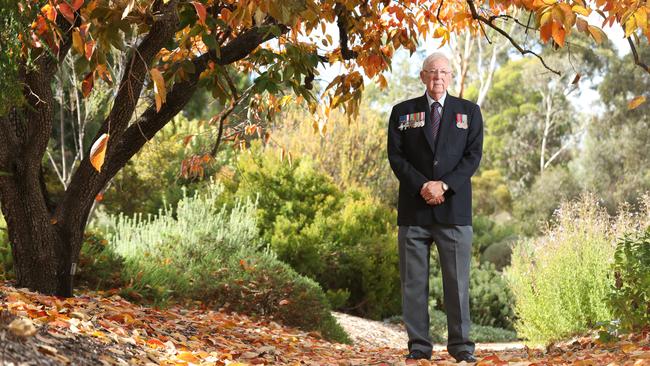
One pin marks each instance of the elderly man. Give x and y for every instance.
(434, 147)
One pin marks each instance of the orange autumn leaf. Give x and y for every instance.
(200, 11)
(636, 102)
(158, 88)
(67, 11)
(596, 33)
(155, 343)
(188, 357)
(76, 4)
(87, 84)
(187, 139)
(49, 12)
(546, 31)
(98, 152)
(558, 33)
(90, 48)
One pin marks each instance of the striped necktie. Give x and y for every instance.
(435, 120)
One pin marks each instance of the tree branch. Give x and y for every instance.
(86, 182)
(438, 12)
(515, 44)
(136, 71)
(637, 59)
(342, 23)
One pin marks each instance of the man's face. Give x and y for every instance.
(436, 76)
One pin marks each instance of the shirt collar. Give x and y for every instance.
(441, 100)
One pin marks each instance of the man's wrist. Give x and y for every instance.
(445, 187)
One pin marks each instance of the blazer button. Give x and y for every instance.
(435, 162)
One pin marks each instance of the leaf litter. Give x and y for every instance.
(101, 328)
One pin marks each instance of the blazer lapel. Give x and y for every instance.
(446, 122)
(427, 129)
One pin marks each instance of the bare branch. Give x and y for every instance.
(514, 43)
(56, 169)
(438, 12)
(224, 114)
(342, 23)
(510, 17)
(637, 59)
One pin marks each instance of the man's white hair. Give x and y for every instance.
(434, 57)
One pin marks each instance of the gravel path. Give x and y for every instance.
(378, 334)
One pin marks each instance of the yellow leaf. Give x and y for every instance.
(188, 357)
(641, 18)
(569, 16)
(629, 347)
(581, 10)
(596, 33)
(78, 43)
(439, 32)
(128, 8)
(558, 14)
(637, 101)
(545, 18)
(630, 26)
(98, 152)
(158, 88)
(550, 2)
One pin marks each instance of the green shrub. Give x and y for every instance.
(487, 232)
(490, 193)
(536, 207)
(346, 241)
(6, 258)
(490, 299)
(488, 334)
(561, 280)
(153, 179)
(478, 333)
(205, 252)
(99, 267)
(498, 254)
(630, 297)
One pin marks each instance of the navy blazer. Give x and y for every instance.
(415, 159)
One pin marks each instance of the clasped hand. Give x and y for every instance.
(433, 193)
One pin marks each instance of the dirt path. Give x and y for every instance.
(376, 334)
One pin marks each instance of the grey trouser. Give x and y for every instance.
(454, 244)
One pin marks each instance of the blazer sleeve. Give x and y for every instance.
(472, 154)
(407, 175)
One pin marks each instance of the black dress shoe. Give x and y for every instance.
(416, 354)
(465, 356)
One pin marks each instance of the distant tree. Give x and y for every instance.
(615, 161)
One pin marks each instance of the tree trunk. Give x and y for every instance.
(42, 252)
